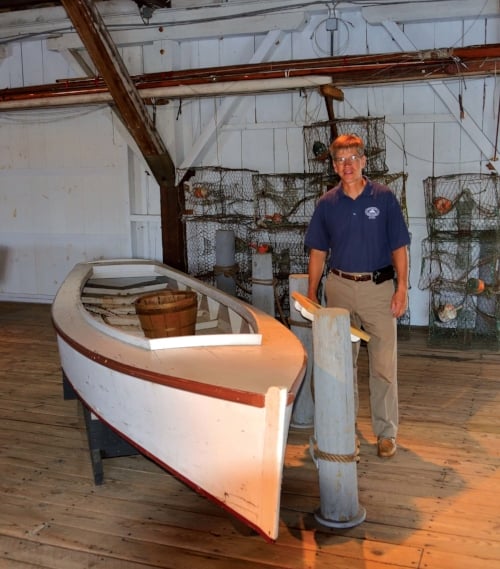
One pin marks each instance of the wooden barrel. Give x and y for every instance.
(167, 313)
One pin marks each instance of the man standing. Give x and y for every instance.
(359, 225)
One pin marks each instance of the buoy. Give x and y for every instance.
(200, 192)
(319, 148)
(475, 286)
(442, 205)
(447, 312)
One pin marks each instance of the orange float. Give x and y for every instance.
(200, 192)
(442, 205)
(475, 286)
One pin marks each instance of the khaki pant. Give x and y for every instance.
(369, 306)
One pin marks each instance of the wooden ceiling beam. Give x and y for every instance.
(352, 70)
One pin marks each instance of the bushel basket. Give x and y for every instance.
(167, 313)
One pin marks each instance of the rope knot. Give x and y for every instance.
(319, 454)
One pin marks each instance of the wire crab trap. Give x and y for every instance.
(446, 259)
(289, 256)
(200, 248)
(285, 200)
(217, 191)
(459, 316)
(319, 136)
(403, 324)
(462, 203)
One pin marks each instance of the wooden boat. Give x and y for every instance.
(213, 408)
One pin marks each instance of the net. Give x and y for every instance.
(462, 203)
(318, 137)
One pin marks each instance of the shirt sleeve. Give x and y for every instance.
(398, 234)
(317, 236)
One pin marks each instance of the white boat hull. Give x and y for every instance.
(216, 417)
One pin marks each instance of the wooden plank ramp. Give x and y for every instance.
(435, 505)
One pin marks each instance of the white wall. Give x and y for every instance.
(62, 180)
(73, 187)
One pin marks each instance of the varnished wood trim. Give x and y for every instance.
(209, 390)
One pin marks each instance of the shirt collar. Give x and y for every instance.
(367, 190)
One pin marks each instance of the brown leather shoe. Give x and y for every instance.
(386, 447)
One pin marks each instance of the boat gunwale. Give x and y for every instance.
(252, 398)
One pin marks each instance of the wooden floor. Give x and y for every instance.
(435, 505)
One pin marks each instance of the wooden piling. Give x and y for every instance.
(303, 409)
(263, 282)
(225, 261)
(334, 447)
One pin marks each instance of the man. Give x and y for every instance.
(360, 226)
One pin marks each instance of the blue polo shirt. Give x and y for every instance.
(359, 234)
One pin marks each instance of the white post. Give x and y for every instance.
(334, 449)
(225, 261)
(303, 408)
(262, 282)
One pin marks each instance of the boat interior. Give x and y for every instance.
(111, 296)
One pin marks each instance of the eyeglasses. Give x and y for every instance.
(349, 159)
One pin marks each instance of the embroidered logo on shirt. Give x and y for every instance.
(372, 212)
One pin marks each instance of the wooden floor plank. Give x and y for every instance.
(434, 505)
(434, 559)
(130, 539)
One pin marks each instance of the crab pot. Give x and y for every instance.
(167, 313)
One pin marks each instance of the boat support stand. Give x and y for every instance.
(103, 441)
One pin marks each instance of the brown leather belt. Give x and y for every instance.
(358, 277)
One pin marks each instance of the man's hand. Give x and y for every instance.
(399, 302)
